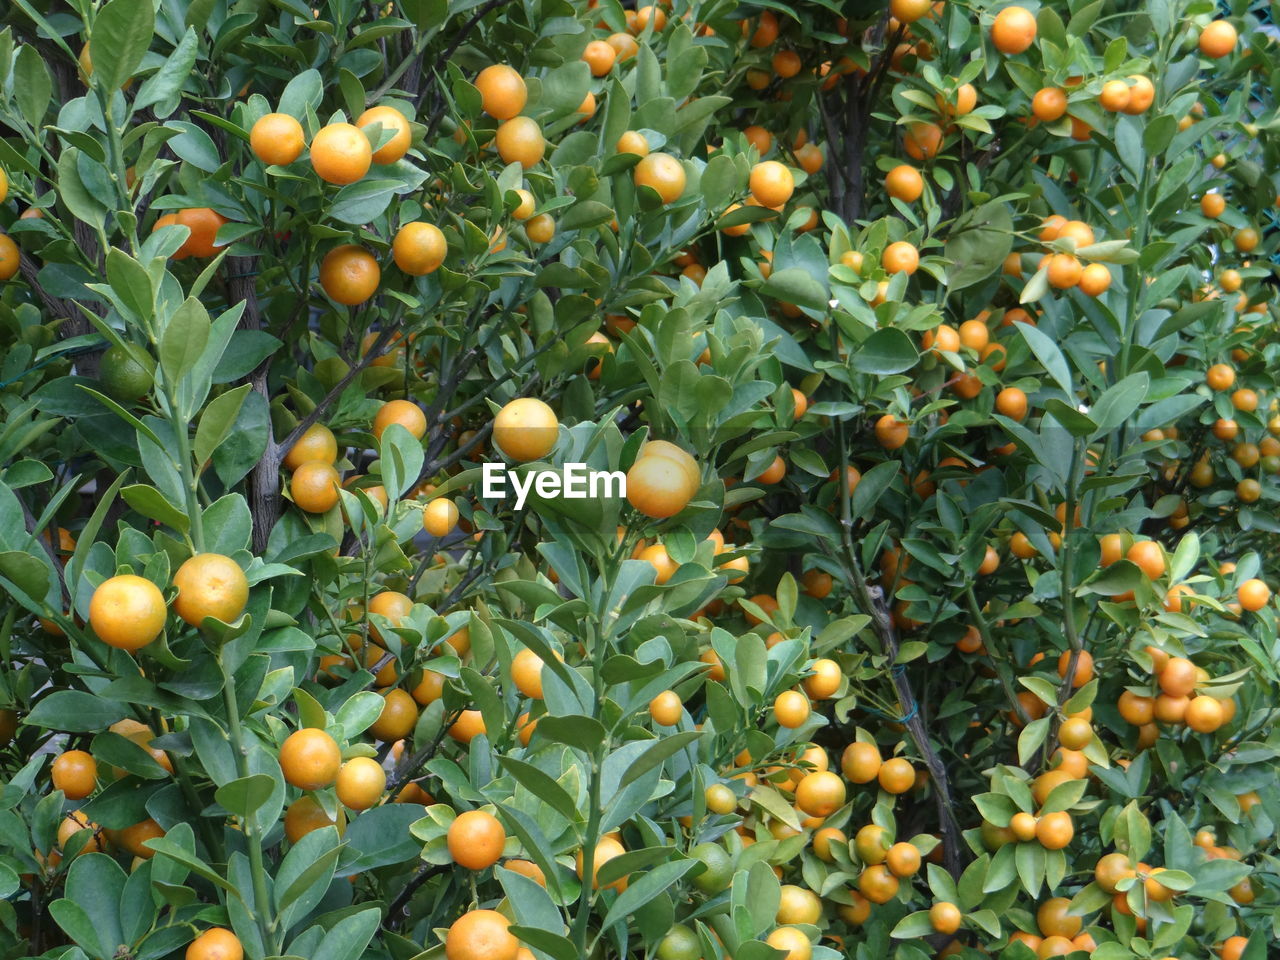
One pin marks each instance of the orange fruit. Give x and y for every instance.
(216, 943)
(404, 412)
(877, 884)
(664, 174)
(127, 612)
(519, 140)
(771, 183)
(1049, 104)
(1142, 93)
(503, 93)
(1055, 830)
(666, 708)
(1204, 714)
(1064, 270)
(607, 849)
(314, 486)
(900, 257)
(398, 716)
(1054, 920)
(361, 783)
(1013, 31)
(903, 859)
(481, 935)
(475, 839)
(1012, 403)
(891, 433)
(1094, 280)
(1135, 709)
(599, 57)
(904, 183)
(922, 141)
(310, 759)
(1149, 556)
(1114, 96)
(393, 122)
(820, 794)
(632, 141)
(792, 941)
(341, 153)
(791, 709)
(305, 815)
(1253, 594)
(203, 223)
(1218, 39)
(349, 274)
(440, 517)
(526, 429)
(75, 773)
(659, 486)
(210, 585)
(1110, 870)
(419, 248)
(860, 762)
(316, 443)
(896, 775)
(10, 258)
(277, 138)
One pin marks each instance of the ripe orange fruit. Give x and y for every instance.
(481, 935)
(526, 429)
(632, 141)
(945, 917)
(1064, 270)
(792, 941)
(440, 517)
(820, 794)
(127, 612)
(1142, 93)
(599, 57)
(503, 93)
(1094, 280)
(891, 433)
(922, 141)
(664, 174)
(900, 257)
(216, 943)
(1055, 830)
(10, 258)
(398, 716)
(607, 849)
(766, 31)
(1084, 667)
(341, 153)
(1013, 31)
(1178, 678)
(903, 860)
(314, 486)
(475, 839)
(277, 138)
(1220, 376)
(316, 443)
(210, 585)
(771, 183)
(1012, 403)
(896, 775)
(310, 759)
(1110, 870)
(305, 815)
(1075, 733)
(1136, 709)
(349, 274)
(361, 783)
(786, 64)
(203, 224)
(1054, 920)
(1204, 714)
(1253, 594)
(909, 11)
(659, 486)
(75, 773)
(1218, 39)
(791, 709)
(1049, 104)
(860, 762)
(1114, 96)
(419, 248)
(1149, 556)
(904, 183)
(519, 140)
(404, 412)
(393, 122)
(666, 708)
(877, 884)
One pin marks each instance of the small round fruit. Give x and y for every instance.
(361, 783)
(475, 839)
(526, 429)
(210, 585)
(277, 138)
(127, 612)
(310, 759)
(341, 153)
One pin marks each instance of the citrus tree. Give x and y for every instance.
(934, 344)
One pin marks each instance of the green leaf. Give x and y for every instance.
(74, 711)
(216, 423)
(244, 797)
(28, 571)
(651, 884)
(122, 32)
(32, 86)
(184, 337)
(887, 351)
(1077, 424)
(153, 504)
(542, 785)
(584, 733)
(915, 924)
(870, 488)
(657, 754)
(978, 244)
(1048, 353)
(162, 91)
(1118, 403)
(1031, 737)
(795, 285)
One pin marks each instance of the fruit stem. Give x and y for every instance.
(253, 840)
